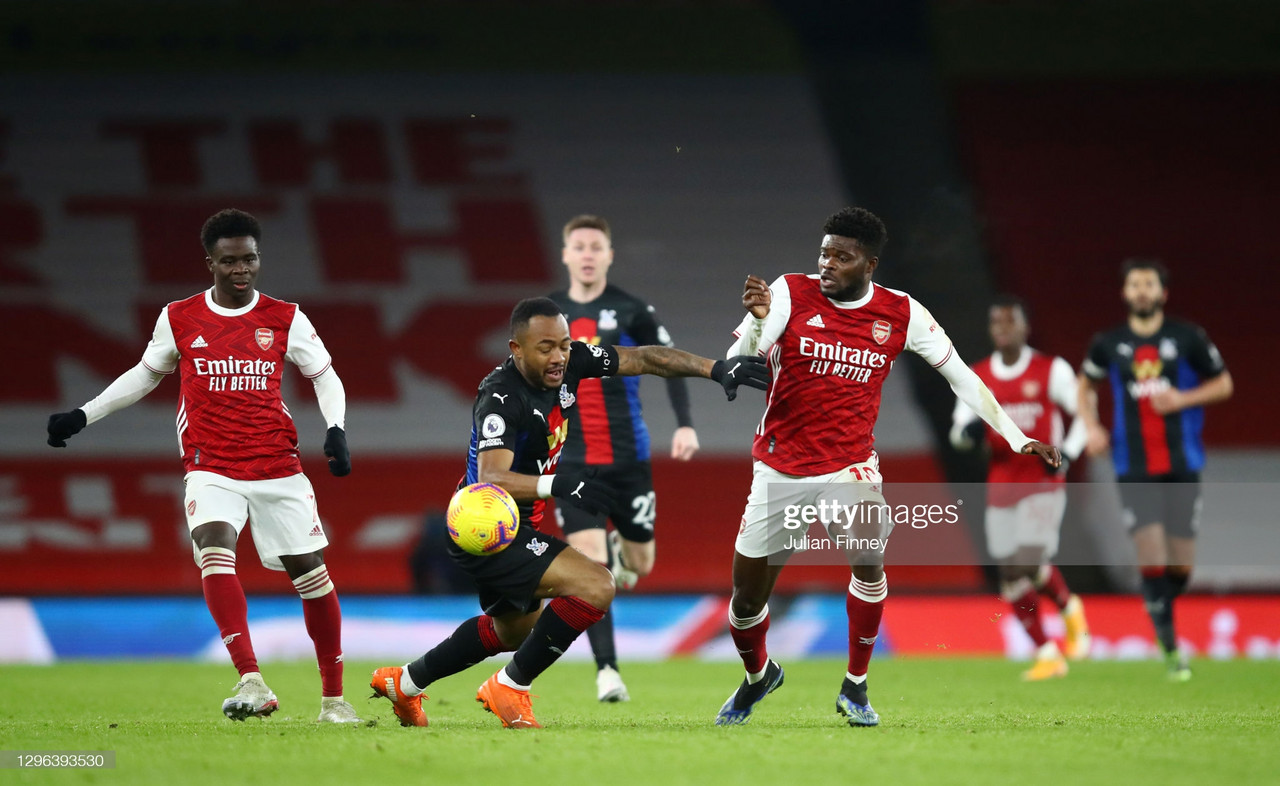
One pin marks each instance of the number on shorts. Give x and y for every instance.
(646, 508)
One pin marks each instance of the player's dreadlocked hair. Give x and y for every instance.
(1006, 300)
(229, 223)
(529, 308)
(860, 224)
(1140, 263)
(587, 221)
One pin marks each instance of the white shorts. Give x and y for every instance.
(1034, 522)
(283, 511)
(775, 517)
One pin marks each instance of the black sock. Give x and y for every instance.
(1158, 596)
(549, 639)
(601, 637)
(463, 649)
(1177, 581)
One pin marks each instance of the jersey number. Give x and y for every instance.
(646, 508)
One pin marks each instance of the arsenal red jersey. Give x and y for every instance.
(1033, 391)
(231, 418)
(829, 361)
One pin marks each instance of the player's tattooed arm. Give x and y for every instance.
(662, 362)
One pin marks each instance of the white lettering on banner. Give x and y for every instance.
(117, 534)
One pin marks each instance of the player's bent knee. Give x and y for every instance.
(595, 586)
(745, 605)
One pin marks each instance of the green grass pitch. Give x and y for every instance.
(943, 721)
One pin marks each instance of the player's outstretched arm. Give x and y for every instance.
(579, 487)
(732, 373)
(970, 389)
(127, 389)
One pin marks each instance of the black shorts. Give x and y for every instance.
(634, 504)
(508, 581)
(1172, 500)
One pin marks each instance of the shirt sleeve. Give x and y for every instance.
(592, 360)
(926, 338)
(161, 354)
(1204, 356)
(1096, 360)
(306, 350)
(757, 336)
(497, 419)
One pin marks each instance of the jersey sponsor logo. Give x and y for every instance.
(837, 360)
(493, 426)
(489, 443)
(235, 374)
(880, 331)
(608, 319)
(1148, 373)
(816, 321)
(265, 338)
(536, 546)
(567, 398)
(1030, 389)
(1024, 414)
(199, 343)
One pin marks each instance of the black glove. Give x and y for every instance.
(746, 370)
(64, 425)
(582, 489)
(335, 447)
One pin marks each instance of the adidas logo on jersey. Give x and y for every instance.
(816, 321)
(316, 532)
(199, 343)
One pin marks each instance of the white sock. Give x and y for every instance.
(407, 686)
(855, 680)
(329, 699)
(252, 675)
(505, 679)
(753, 678)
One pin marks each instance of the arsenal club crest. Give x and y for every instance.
(265, 338)
(880, 331)
(1030, 389)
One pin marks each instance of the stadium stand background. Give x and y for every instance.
(413, 164)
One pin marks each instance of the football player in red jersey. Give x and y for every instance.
(240, 449)
(830, 339)
(1162, 373)
(1026, 499)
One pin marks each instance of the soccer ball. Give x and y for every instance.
(482, 519)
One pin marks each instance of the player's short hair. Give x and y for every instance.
(860, 224)
(529, 308)
(1008, 300)
(1145, 263)
(228, 223)
(587, 221)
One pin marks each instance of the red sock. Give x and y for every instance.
(225, 598)
(323, 617)
(748, 636)
(1051, 585)
(1022, 596)
(865, 606)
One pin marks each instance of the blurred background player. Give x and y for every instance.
(520, 421)
(240, 449)
(1162, 372)
(1026, 499)
(610, 432)
(830, 340)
